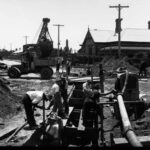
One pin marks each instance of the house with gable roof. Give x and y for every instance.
(105, 42)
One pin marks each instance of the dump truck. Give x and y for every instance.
(36, 58)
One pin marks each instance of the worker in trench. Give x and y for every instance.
(58, 92)
(59, 111)
(30, 101)
(91, 99)
(32, 98)
(64, 93)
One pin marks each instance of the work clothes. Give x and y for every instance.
(55, 88)
(68, 67)
(87, 89)
(58, 101)
(35, 96)
(86, 86)
(89, 103)
(64, 93)
(58, 65)
(30, 99)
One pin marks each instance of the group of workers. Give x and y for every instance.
(57, 98)
(66, 65)
(126, 84)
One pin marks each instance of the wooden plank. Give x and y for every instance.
(83, 79)
(7, 130)
(8, 133)
(21, 127)
(65, 120)
(120, 141)
(80, 125)
(124, 141)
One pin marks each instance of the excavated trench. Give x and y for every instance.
(12, 111)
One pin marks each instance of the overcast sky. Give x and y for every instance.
(19, 18)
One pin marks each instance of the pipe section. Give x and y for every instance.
(129, 133)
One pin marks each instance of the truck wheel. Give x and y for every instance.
(46, 73)
(14, 72)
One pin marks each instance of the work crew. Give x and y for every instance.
(91, 100)
(57, 99)
(31, 100)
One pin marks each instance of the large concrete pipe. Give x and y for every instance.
(129, 133)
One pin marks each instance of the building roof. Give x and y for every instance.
(101, 35)
(128, 34)
(126, 48)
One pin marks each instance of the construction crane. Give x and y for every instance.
(36, 58)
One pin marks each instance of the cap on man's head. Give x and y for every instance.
(121, 70)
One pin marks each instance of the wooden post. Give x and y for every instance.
(101, 77)
(43, 112)
(92, 78)
(102, 126)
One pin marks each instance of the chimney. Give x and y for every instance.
(148, 24)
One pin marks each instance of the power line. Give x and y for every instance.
(119, 19)
(58, 25)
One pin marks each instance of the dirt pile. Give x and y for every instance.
(110, 64)
(9, 102)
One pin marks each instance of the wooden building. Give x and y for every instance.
(105, 42)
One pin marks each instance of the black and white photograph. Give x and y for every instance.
(74, 73)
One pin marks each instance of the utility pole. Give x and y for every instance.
(11, 46)
(58, 25)
(26, 37)
(119, 19)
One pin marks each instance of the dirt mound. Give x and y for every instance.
(9, 102)
(110, 64)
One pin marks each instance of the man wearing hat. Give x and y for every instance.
(127, 84)
(91, 100)
(125, 80)
(64, 93)
(31, 100)
(57, 99)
